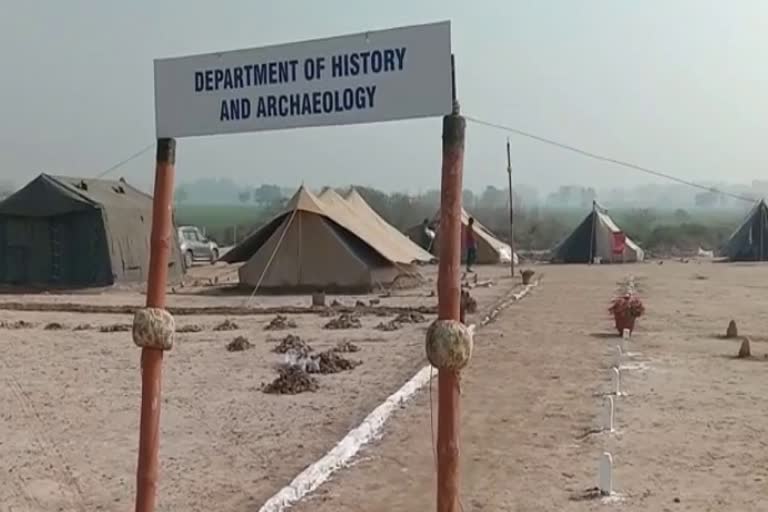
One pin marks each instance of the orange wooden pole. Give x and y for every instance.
(449, 308)
(152, 359)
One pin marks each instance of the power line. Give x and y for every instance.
(125, 161)
(608, 159)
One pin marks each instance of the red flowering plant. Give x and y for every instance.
(627, 306)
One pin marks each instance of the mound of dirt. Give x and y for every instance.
(346, 347)
(411, 317)
(115, 328)
(279, 323)
(190, 328)
(18, 324)
(239, 344)
(291, 380)
(331, 361)
(226, 325)
(344, 321)
(392, 325)
(53, 326)
(293, 344)
(83, 327)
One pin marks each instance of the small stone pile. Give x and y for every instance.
(280, 323)
(226, 325)
(410, 317)
(83, 327)
(331, 361)
(53, 326)
(115, 328)
(19, 324)
(346, 347)
(291, 380)
(344, 321)
(189, 328)
(390, 326)
(239, 344)
(293, 344)
(745, 351)
(732, 331)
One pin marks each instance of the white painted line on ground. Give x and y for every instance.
(370, 429)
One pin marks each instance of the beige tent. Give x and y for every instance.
(490, 250)
(386, 230)
(317, 244)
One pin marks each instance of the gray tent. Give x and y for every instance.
(750, 241)
(72, 232)
(595, 238)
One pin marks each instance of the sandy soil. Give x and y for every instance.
(691, 431)
(202, 291)
(68, 425)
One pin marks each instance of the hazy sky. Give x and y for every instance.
(679, 85)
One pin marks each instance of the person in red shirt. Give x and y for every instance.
(470, 244)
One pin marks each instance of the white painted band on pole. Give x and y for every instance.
(626, 334)
(617, 357)
(606, 474)
(616, 381)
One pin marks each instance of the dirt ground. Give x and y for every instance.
(691, 431)
(68, 425)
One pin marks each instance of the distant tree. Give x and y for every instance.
(493, 197)
(377, 200)
(681, 215)
(431, 198)
(244, 196)
(266, 194)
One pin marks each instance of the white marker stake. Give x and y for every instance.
(616, 384)
(606, 474)
(617, 356)
(609, 413)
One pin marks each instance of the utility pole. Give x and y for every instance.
(511, 213)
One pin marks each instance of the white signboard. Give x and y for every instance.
(374, 76)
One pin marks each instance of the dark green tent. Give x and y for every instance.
(72, 232)
(595, 238)
(750, 241)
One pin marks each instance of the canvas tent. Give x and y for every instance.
(490, 250)
(385, 229)
(320, 245)
(74, 232)
(597, 237)
(750, 241)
